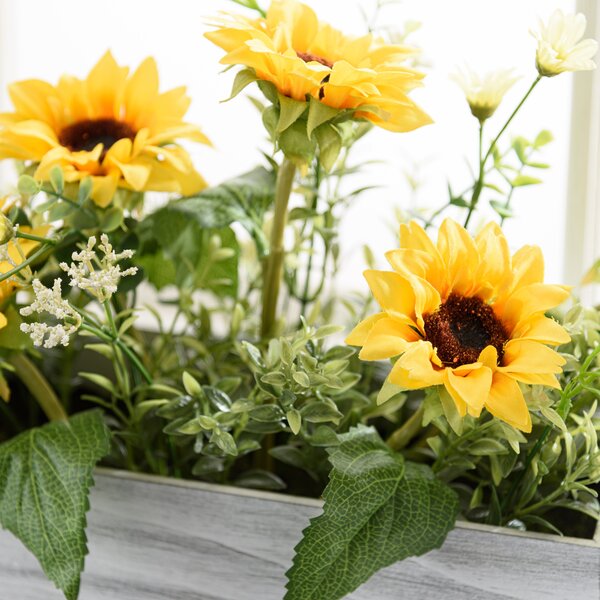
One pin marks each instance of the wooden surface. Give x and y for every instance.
(155, 539)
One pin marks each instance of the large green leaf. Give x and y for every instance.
(378, 510)
(45, 476)
(243, 199)
(182, 256)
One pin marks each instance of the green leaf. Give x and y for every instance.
(112, 219)
(318, 113)
(57, 179)
(224, 441)
(45, 476)
(450, 411)
(501, 209)
(294, 419)
(521, 180)
(191, 386)
(321, 412)
(28, 186)
(290, 111)
(378, 510)
(388, 391)
(85, 190)
(543, 137)
(243, 200)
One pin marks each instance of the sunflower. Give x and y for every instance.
(303, 57)
(119, 130)
(465, 315)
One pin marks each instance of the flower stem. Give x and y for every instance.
(402, 436)
(480, 177)
(273, 269)
(39, 387)
(482, 161)
(36, 238)
(31, 259)
(122, 346)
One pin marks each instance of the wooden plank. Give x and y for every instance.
(156, 539)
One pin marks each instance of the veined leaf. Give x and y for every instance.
(378, 510)
(45, 476)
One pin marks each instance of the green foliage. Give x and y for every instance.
(299, 381)
(378, 510)
(45, 476)
(243, 200)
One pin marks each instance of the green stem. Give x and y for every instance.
(123, 347)
(274, 263)
(28, 261)
(483, 161)
(480, 177)
(39, 387)
(402, 436)
(35, 238)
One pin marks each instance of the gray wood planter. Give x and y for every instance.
(158, 539)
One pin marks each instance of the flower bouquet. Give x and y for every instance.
(460, 387)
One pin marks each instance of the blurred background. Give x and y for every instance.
(41, 39)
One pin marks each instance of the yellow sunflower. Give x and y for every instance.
(303, 57)
(119, 130)
(465, 315)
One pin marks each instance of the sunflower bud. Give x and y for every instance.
(7, 230)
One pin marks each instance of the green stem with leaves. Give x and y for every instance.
(38, 386)
(571, 390)
(479, 184)
(273, 269)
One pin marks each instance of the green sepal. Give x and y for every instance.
(269, 91)
(295, 144)
(330, 145)
(319, 113)
(242, 80)
(290, 111)
(270, 119)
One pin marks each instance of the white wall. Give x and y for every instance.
(44, 39)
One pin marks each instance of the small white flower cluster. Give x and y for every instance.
(100, 276)
(50, 300)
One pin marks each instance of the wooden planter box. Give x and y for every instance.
(152, 538)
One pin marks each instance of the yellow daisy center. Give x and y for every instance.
(461, 328)
(86, 135)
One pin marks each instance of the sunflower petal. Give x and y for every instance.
(387, 338)
(471, 388)
(414, 369)
(506, 402)
(358, 336)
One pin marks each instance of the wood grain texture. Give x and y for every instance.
(155, 539)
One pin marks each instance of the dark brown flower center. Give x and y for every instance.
(461, 328)
(86, 135)
(309, 57)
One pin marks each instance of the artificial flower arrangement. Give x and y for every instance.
(461, 389)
